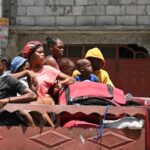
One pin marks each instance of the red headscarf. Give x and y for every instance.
(30, 47)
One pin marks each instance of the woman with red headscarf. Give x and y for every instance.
(46, 75)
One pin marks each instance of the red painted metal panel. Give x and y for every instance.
(131, 75)
(44, 138)
(22, 138)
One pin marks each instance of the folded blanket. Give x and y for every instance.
(125, 122)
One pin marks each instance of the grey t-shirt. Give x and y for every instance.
(10, 86)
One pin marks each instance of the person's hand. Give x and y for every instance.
(3, 102)
(58, 85)
(45, 100)
(33, 88)
(67, 81)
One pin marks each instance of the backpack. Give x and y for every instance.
(91, 93)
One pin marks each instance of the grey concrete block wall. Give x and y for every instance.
(126, 20)
(78, 21)
(80, 12)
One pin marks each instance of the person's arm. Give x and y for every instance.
(26, 96)
(65, 79)
(28, 73)
(108, 81)
(104, 78)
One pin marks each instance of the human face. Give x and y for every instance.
(87, 68)
(26, 66)
(38, 56)
(68, 69)
(58, 49)
(95, 62)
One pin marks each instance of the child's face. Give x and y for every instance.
(68, 69)
(87, 68)
(26, 66)
(95, 62)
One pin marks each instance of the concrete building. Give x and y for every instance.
(83, 24)
(78, 21)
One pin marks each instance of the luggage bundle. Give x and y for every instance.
(91, 93)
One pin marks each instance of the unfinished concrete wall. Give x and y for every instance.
(80, 12)
(85, 35)
(78, 21)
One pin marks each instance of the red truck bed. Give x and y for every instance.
(46, 138)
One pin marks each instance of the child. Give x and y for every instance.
(19, 64)
(97, 60)
(86, 71)
(66, 66)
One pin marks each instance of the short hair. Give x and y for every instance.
(6, 60)
(65, 66)
(64, 61)
(81, 62)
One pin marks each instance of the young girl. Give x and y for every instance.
(66, 66)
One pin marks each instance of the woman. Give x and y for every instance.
(46, 75)
(54, 48)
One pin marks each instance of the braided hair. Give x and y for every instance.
(49, 41)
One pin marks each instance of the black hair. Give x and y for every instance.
(81, 62)
(64, 61)
(6, 60)
(49, 41)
